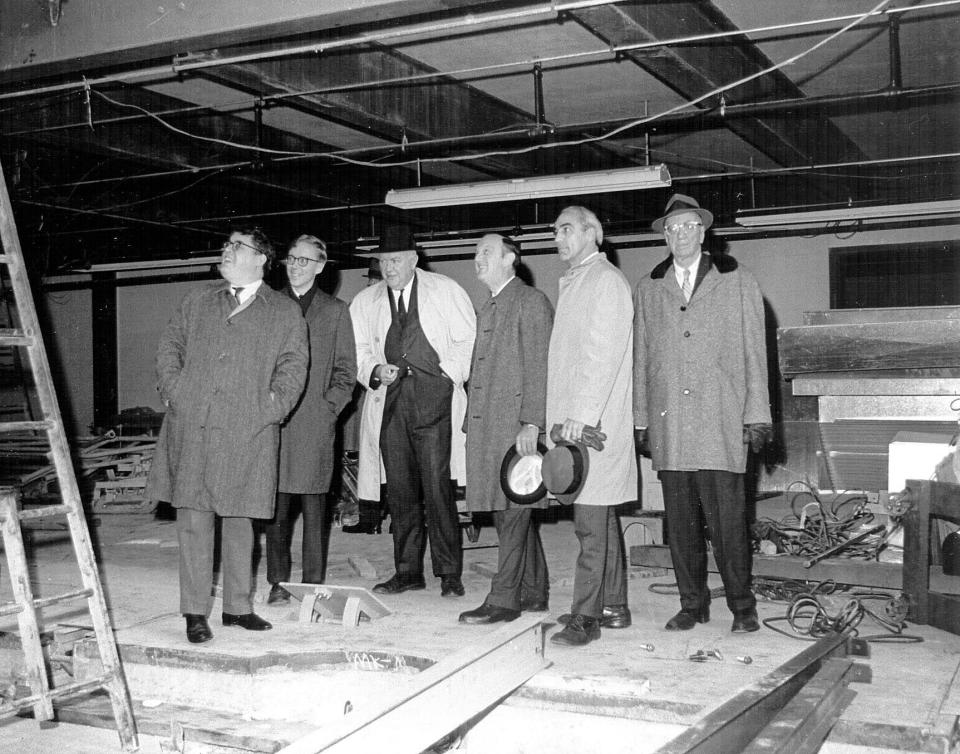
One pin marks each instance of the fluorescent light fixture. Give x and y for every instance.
(927, 210)
(596, 182)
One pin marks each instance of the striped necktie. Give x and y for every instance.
(687, 287)
(236, 296)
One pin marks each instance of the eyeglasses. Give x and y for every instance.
(235, 246)
(291, 260)
(675, 228)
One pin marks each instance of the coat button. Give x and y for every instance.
(686, 391)
(683, 308)
(686, 334)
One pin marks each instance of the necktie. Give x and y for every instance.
(687, 287)
(401, 309)
(236, 296)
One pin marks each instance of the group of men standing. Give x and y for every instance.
(678, 368)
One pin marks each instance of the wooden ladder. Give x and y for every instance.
(28, 338)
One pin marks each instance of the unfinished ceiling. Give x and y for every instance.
(134, 133)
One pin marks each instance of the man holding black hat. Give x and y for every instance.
(414, 332)
(589, 394)
(700, 401)
(506, 407)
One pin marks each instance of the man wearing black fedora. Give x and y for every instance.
(414, 332)
(506, 407)
(589, 395)
(700, 403)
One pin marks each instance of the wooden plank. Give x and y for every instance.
(892, 314)
(885, 345)
(802, 725)
(842, 570)
(438, 700)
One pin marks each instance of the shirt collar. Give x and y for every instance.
(500, 289)
(694, 268)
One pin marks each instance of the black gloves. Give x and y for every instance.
(591, 437)
(757, 436)
(642, 440)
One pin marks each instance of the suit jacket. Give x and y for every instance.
(308, 437)
(701, 367)
(228, 378)
(508, 385)
(449, 324)
(590, 373)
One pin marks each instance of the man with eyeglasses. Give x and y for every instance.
(414, 333)
(231, 365)
(307, 438)
(700, 404)
(589, 385)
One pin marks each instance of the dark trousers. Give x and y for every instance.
(692, 498)
(600, 577)
(522, 567)
(415, 444)
(280, 533)
(195, 532)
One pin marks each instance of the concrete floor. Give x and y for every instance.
(613, 682)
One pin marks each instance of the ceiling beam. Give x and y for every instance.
(693, 70)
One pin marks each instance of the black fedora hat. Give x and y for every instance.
(520, 477)
(396, 237)
(564, 470)
(678, 204)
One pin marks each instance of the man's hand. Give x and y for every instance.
(757, 436)
(527, 439)
(572, 430)
(387, 373)
(642, 440)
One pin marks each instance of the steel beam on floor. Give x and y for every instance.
(736, 723)
(440, 699)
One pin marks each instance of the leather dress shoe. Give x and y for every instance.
(533, 606)
(451, 586)
(395, 584)
(249, 621)
(278, 596)
(613, 616)
(489, 614)
(687, 619)
(582, 629)
(198, 630)
(745, 621)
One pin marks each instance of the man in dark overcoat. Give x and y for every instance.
(308, 437)
(231, 365)
(506, 405)
(700, 400)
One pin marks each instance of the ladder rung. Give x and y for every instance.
(4, 259)
(16, 338)
(12, 607)
(26, 426)
(43, 512)
(10, 708)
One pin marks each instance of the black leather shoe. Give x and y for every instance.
(451, 586)
(582, 629)
(533, 606)
(489, 614)
(745, 621)
(687, 619)
(249, 621)
(278, 596)
(364, 527)
(613, 616)
(396, 584)
(198, 630)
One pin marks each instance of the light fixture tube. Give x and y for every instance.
(539, 187)
(930, 210)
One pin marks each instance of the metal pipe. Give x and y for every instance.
(896, 71)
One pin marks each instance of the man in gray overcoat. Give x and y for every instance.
(231, 365)
(700, 400)
(506, 405)
(307, 438)
(590, 383)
